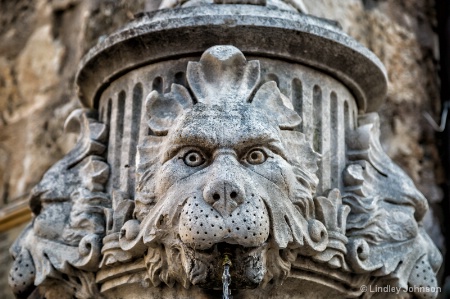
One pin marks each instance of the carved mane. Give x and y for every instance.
(223, 78)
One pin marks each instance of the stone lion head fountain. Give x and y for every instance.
(226, 145)
(222, 176)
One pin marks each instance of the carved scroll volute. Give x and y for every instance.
(62, 244)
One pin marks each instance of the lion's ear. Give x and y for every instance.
(269, 98)
(163, 110)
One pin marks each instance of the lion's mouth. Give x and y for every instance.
(248, 265)
(201, 226)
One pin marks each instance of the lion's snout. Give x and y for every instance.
(227, 209)
(225, 188)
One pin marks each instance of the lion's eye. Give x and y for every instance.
(256, 156)
(193, 159)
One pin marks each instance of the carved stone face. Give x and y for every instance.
(228, 159)
(219, 180)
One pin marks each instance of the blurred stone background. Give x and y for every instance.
(42, 42)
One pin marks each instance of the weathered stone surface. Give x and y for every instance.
(41, 45)
(62, 244)
(36, 87)
(228, 162)
(224, 178)
(403, 35)
(6, 239)
(399, 35)
(363, 74)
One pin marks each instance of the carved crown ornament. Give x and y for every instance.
(200, 176)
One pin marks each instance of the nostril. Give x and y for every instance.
(233, 194)
(216, 196)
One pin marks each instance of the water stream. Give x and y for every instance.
(226, 278)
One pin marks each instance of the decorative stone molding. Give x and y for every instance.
(205, 168)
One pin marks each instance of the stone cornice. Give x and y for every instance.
(183, 32)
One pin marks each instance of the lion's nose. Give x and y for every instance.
(224, 195)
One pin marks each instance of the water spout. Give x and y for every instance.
(226, 277)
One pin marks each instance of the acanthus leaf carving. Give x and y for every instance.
(63, 242)
(121, 211)
(333, 214)
(384, 226)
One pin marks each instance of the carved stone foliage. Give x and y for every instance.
(59, 251)
(384, 227)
